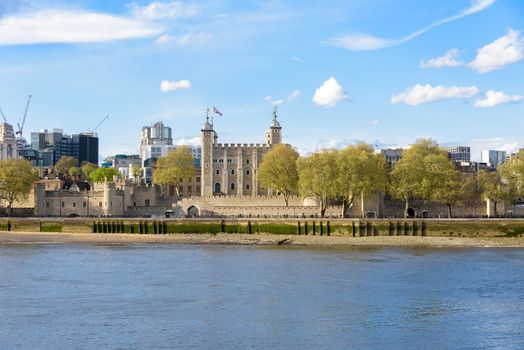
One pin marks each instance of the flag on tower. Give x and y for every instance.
(215, 110)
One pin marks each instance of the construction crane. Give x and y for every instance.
(3, 116)
(21, 126)
(98, 125)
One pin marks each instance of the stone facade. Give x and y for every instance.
(231, 169)
(8, 147)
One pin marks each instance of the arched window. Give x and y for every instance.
(218, 172)
(247, 161)
(9, 151)
(232, 171)
(248, 172)
(232, 186)
(247, 187)
(217, 187)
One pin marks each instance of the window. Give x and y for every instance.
(74, 204)
(247, 172)
(85, 204)
(247, 187)
(63, 204)
(232, 186)
(229, 160)
(47, 204)
(247, 161)
(147, 202)
(198, 188)
(189, 188)
(100, 204)
(218, 172)
(232, 171)
(198, 179)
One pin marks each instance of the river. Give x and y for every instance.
(62, 296)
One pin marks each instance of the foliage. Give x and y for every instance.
(278, 170)
(16, 179)
(494, 188)
(177, 164)
(87, 168)
(453, 189)
(64, 164)
(421, 171)
(360, 172)
(318, 175)
(136, 171)
(74, 171)
(103, 174)
(513, 174)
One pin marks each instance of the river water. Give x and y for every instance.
(239, 297)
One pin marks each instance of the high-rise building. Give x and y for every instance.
(460, 153)
(493, 158)
(53, 145)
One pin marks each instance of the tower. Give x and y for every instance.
(208, 137)
(274, 134)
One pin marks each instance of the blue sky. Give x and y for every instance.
(381, 71)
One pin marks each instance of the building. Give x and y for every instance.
(460, 153)
(493, 158)
(8, 145)
(53, 145)
(123, 163)
(231, 169)
(392, 155)
(156, 141)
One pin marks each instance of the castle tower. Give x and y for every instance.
(208, 137)
(274, 134)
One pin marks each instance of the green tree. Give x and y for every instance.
(74, 172)
(360, 172)
(278, 170)
(513, 173)
(16, 178)
(318, 177)
(87, 168)
(452, 191)
(472, 191)
(494, 188)
(136, 171)
(104, 174)
(420, 172)
(64, 164)
(177, 164)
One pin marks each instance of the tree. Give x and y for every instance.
(74, 172)
(318, 177)
(494, 188)
(472, 191)
(64, 164)
(512, 173)
(278, 170)
(420, 171)
(87, 168)
(452, 191)
(360, 172)
(177, 164)
(136, 171)
(16, 179)
(104, 174)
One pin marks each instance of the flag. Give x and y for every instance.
(215, 110)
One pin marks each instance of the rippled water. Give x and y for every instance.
(210, 297)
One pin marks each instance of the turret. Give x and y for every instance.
(209, 138)
(274, 134)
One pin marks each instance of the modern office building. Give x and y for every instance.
(460, 153)
(493, 158)
(53, 145)
(392, 155)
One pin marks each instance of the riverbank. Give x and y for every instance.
(260, 239)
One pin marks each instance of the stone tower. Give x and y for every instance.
(209, 138)
(274, 134)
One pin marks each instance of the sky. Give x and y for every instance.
(386, 72)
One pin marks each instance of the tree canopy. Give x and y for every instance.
(103, 174)
(16, 179)
(177, 164)
(64, 164)
(278, 170)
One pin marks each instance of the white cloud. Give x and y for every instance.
(185, 39)
(163, 10)
(374, 122)
(503, 51)
(277, 102)
(294, 94)
(361, 42)
(495, 98)
(419, 94)
(188, 141)
(329, 94)
(449, 59)
(68, 26)
(267, 98)
(167, 86)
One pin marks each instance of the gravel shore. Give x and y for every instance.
(260, 239)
